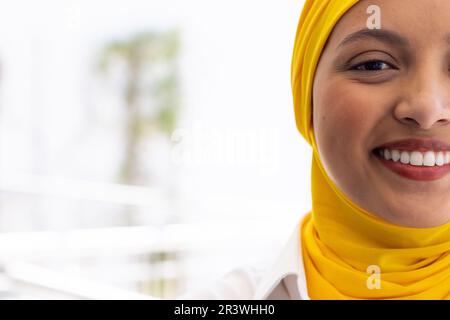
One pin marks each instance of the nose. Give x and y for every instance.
(427, 103)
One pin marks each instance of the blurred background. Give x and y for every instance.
(146, 147)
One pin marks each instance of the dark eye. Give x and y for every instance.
(373, 65)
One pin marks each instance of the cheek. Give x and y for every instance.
(345, 116)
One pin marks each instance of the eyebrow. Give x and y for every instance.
(386, 36)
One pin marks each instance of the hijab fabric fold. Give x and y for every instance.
(348, 252)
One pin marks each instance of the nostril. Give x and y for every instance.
(410, 120)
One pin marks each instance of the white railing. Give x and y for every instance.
(52, 186)
(72, 286)
(20, 251)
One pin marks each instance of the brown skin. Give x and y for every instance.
(406, 95)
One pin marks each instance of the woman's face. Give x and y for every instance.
(382, 86)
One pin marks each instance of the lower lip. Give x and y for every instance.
(419, 173)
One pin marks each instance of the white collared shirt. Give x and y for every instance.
(282, 279)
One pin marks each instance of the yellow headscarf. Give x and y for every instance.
(344, 246)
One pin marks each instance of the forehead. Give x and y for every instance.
(422, 22)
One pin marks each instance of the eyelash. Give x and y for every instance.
(355, 67)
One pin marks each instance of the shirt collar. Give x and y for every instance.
(288, 267)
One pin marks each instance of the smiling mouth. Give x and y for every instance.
(428, 158)
(414, 164)
(422, 159)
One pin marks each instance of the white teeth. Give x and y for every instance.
(429, 159)
(404, 157)
(440, 159)
(395, 155)
(417, 158)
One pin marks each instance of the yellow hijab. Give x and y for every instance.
(348, 252)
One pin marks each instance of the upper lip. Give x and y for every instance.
(416, 144)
